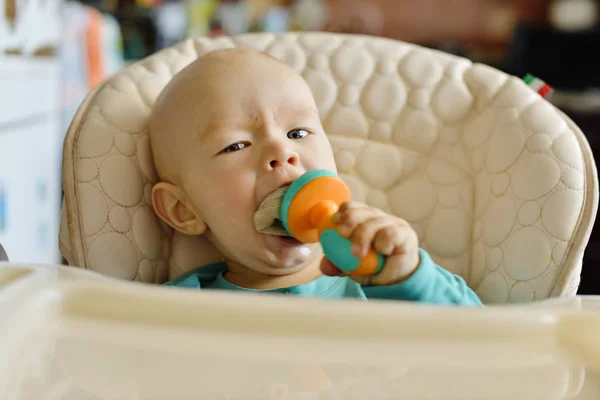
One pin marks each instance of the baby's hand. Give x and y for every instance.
(390, 236)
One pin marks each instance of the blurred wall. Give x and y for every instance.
(30, 137)
(433, 21)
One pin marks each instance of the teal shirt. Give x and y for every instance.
(428, 284)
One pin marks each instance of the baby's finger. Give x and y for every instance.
(348, 205)
(363, 236)
(327, 268)
(345, 208)
(349, 220)
(393, 239)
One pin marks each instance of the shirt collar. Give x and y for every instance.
(315, 288)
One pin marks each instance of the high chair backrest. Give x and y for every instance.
(500, 185)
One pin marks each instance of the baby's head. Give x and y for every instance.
(228, 130)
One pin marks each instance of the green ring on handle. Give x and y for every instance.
(338, 250)
(293, 190)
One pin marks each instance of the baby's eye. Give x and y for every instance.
(235, 147)
(298, 133)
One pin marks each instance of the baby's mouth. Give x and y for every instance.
(266, 218)
(278, 229)
(286, 241)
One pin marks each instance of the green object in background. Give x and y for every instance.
(134, 48)
(200, 14)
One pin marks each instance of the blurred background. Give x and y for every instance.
(53, 52)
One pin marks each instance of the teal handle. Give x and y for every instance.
(338, 250)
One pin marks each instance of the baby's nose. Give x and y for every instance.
(292, 159)
(279, 153)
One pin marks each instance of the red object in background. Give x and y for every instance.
(216, 30)
(545, 91)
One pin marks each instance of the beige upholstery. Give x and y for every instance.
(500, 186)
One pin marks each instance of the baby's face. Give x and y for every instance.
(256, 128)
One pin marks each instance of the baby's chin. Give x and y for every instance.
(286, 255)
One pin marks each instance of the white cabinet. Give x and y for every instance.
(30, 152)
(30, 131)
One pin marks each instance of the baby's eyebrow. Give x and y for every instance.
(309, 111)
(299, 112)
(220, 123)
(213, 130)
(207, 133)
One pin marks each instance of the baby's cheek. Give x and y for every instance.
(318, 159)
(234, 206)
(325, 156)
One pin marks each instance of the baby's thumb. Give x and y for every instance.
(327, 268)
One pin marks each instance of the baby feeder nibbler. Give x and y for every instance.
(307, 209)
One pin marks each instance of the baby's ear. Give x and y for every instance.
(169, 203)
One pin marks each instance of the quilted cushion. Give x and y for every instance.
(500, 186)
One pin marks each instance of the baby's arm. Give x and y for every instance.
(429, 283)
(408, 272)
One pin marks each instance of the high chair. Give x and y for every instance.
(500, 186)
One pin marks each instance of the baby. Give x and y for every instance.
(230, 129)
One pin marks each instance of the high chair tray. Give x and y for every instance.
(71, 334)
